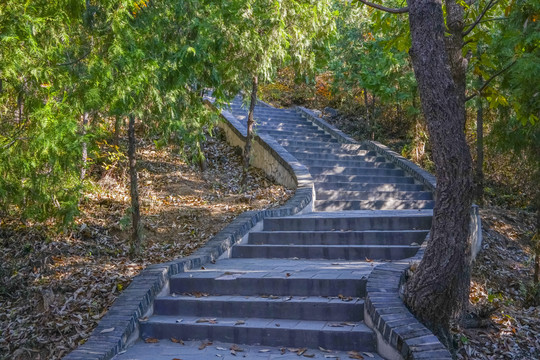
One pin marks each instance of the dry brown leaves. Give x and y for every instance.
(507, 324)
(56, 286)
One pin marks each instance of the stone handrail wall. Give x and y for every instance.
(399, 334)
(120, 326)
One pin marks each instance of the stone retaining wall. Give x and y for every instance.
(120, 326)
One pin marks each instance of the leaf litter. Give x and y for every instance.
(503, 317)
(55, 285)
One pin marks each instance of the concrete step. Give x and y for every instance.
(272, 119)
(303, 283)
(167, 350)
(338, 205)
(347, 163)
(313, 144)
(333, 149)
(352, 221)
(299, 134)
(340, 170)
(348, 186)
(271, 125)
(347, 157)
(371, 237)
(346, 252)
(262, 110)
(278, 136)
(372, 195)
(269, 332)
(364, 179)
(278, 122)
(288, 307)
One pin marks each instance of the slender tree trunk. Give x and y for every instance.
(536, 243)
(373, 117)
(366, 104)
(136, 235)
(117, 129)
(439, 288)
(84, 146)
(20, 107)
(479, 174)
(536, 239)
(250, 123)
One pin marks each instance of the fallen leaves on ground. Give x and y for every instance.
(55, 285)
(503, 321)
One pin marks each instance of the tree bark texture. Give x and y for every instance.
(439, 288)
(136, 235)
(250, 123)
(536, 239)
(454, 46)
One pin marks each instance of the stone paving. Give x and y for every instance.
(300, 281)
(168, 350)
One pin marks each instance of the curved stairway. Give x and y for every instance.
(299, 282)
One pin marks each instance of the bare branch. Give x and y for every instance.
(485, 85)
(77, 60)
(384, 8)
(491, 19)
(479, 18)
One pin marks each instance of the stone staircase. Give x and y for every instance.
(299, 281)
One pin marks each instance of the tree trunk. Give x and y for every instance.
(20, 107)
(479, 174)
(454, 47)
(136, 234)
(250, 123)
(373, 120)
(366, 104)
(84, 146)
(439, 288)
(117, 129)
(536, 242)
(536, 239)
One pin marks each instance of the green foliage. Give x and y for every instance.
(111, 59)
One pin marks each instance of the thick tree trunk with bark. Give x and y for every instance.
(250, 123)
(136, 234)
(439, 288)
(454, 47)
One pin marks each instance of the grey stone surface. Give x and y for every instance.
(168, 350)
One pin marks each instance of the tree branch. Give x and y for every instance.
(479, 18)
(77, 60)
(491, 19)
(384, 8)
(479, 91)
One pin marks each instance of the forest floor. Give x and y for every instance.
(55, 286)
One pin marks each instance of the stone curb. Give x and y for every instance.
(335, 132)
(386, 313)
(121, 323)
